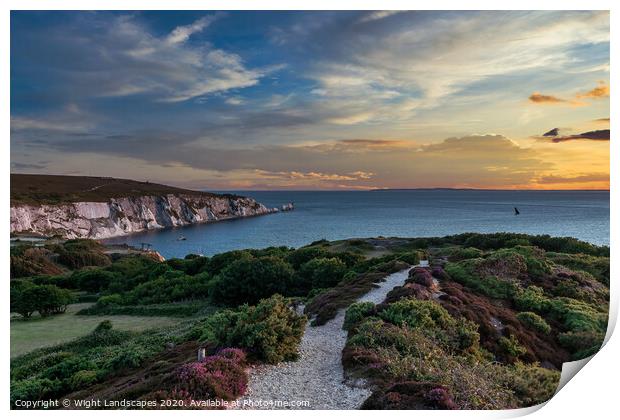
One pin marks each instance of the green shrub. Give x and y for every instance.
(220, 261)
(46, 299)
(356, 313)
(93, 280)
(581, 344)
(269, 331)
(191, 265)
(530, 319)
(321, 273)
(34, 389)
(511, 346)
(80, 258)
(172, 287)
(250, 279)
(596, 266)
(578, 316)
(531, 384)
(110, 300)
(489, 285)
(302, 255)
(429, 317)
(532, 299)
(463, 253)
(388, 354)
(83, 379)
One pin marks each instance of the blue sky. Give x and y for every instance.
(319, 100)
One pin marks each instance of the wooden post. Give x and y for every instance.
(202, 354)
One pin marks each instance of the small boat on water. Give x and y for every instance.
(181, 238)
(517, 212)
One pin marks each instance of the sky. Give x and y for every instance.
(314, 100)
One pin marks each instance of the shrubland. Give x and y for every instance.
(488, 325)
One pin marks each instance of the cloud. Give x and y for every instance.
(601, 91)
(539, 98)
(25, 166)
(592, 177)
(109, 56)
(315, 176)
(434, 56)
(375, 144)
(491, 161)
(377, 15)
(182, 33)
(598, 135)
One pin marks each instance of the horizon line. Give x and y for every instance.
(408, 189)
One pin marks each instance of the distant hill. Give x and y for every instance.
(57, 189)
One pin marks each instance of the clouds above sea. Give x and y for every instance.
(330, 99)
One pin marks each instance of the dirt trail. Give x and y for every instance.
(317, 377)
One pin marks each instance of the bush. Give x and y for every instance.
(388, 355)
(220, 261)
(110, 300)
(578, 316)
(581, 344)
(532, 299)
(489, 285)
(269, 331)
(597, 266)
(531, 384)
(93, 280)
(46, 299)
(216, 377)
(302, 255)
(356, 313)
(321, 273)
(173, 287)
(250, 279)
(532, 320)
(191, 265)
(463, 253)
(79, 258)
(429, 317)
(34, 389)
(27, 261)
(511, 346)
(83, 379)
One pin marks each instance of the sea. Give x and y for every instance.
(336, 215)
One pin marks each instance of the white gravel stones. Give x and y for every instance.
(316, 380)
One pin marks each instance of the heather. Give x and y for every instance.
(487, 325)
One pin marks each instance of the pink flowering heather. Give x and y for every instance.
(219, 376)
(236, 355)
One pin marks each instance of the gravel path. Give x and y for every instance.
(316, 379)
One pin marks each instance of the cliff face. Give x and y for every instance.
(121, 216)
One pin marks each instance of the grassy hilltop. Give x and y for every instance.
(59, 189)
(487, 325)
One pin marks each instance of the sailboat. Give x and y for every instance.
(517, 212)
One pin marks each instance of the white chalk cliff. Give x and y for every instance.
(121, 216)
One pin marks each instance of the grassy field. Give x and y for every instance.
(57, 189)
(28, 335)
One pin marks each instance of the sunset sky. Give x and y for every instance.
(314, 100)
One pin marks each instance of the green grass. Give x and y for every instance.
(59, 189)
(28, 335)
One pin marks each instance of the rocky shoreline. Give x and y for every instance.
(123, 216)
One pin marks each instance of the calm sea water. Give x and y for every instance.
(339, 215)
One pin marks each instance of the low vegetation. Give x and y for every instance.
(488, 325)
(59, 189)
